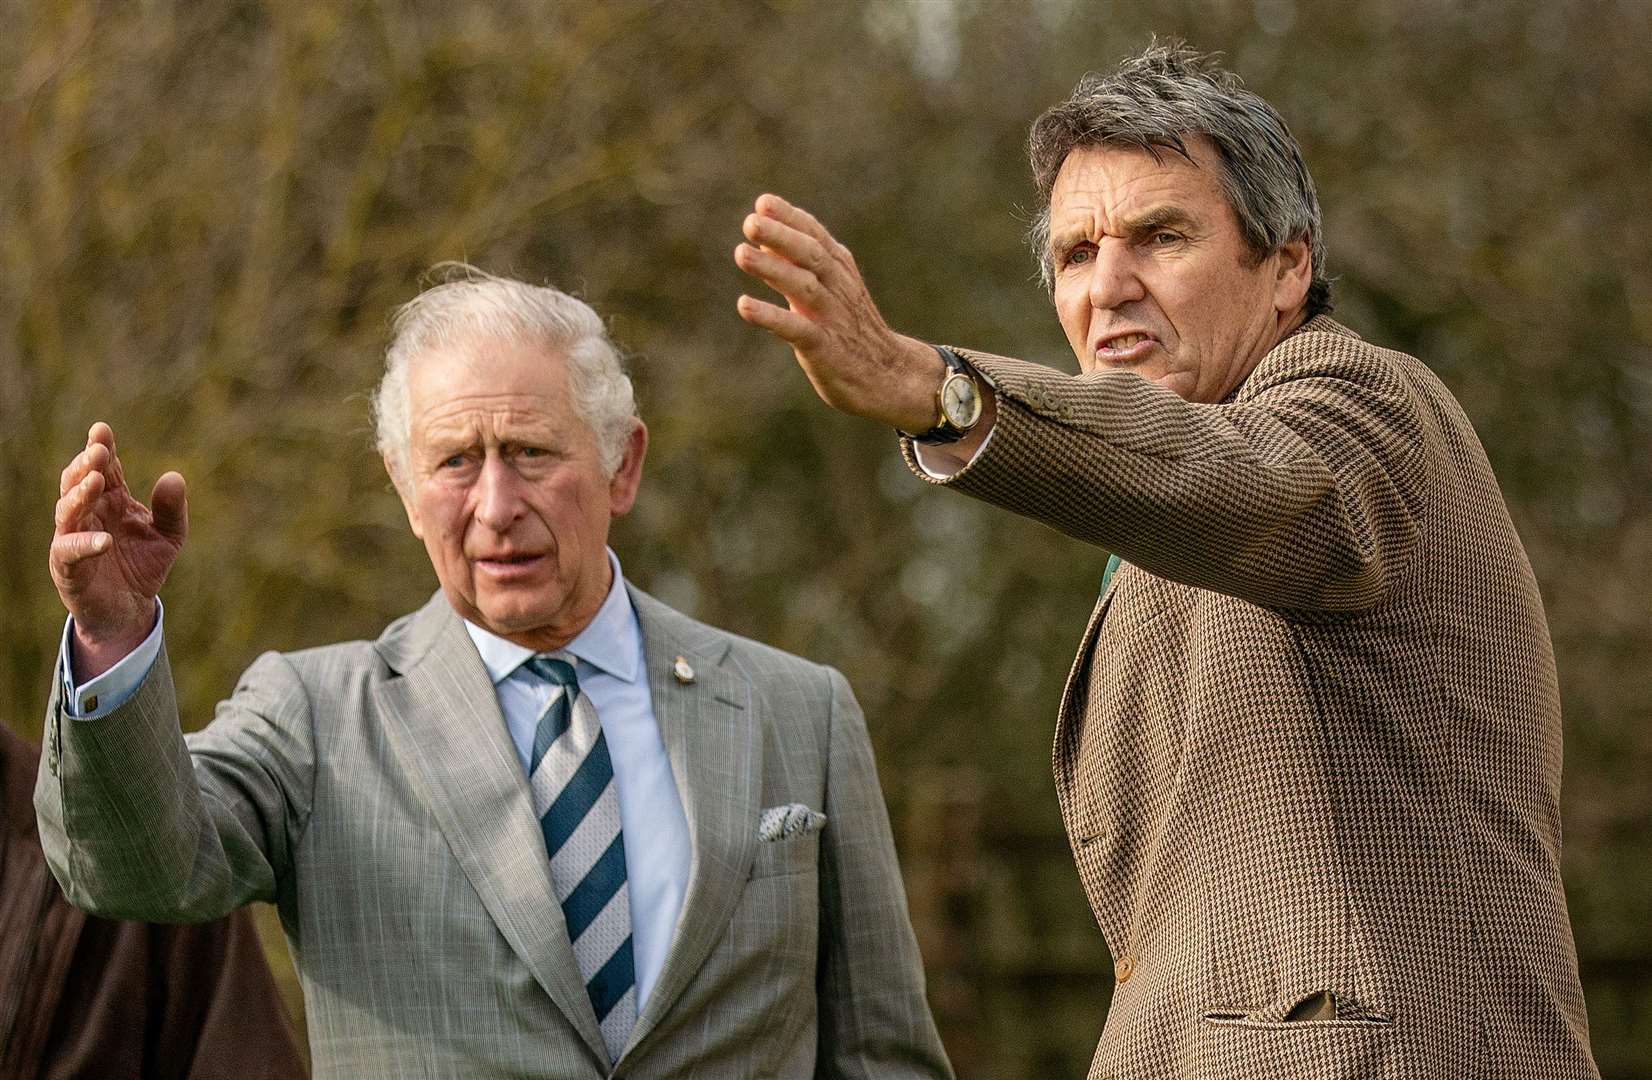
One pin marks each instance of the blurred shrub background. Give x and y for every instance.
(207, 212)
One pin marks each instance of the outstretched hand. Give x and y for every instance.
(110, 553)
(856, 363)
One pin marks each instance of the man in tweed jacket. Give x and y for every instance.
(1308, 756)
(545, 826)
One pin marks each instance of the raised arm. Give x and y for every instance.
(1307, 493)
(135, 825)
(1304, 491)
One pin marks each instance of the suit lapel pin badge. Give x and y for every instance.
(683, 673)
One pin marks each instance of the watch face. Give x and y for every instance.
(960, 403)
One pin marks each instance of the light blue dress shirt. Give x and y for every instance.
(611, 669)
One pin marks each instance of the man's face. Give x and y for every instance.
(1153, 276)
(506, 489)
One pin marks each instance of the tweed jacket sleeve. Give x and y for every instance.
(1303, 492)
(134, 828)
(870, 978)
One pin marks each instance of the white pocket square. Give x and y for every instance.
(785, 822)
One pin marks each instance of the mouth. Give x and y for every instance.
(1127, 348)
(504, 565)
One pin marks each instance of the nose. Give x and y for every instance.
(498, 502)
(1115, 278)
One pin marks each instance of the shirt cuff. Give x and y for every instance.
(945, 468)
(938, 463)
(104, 694)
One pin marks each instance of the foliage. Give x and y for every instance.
(209, 211)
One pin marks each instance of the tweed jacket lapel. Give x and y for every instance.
(1093, 628)
(708, 729)
(1068, 717)
(444, 721)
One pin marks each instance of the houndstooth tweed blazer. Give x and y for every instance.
(1311, 741)
(370, 790)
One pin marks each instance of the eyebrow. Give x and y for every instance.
(1161, 217)
(1168, 216)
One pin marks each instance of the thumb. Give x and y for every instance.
(170, 507)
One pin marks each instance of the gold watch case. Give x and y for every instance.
(959, 400)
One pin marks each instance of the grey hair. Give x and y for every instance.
(469, 304)
(1154, 101)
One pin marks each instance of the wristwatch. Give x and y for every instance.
(957, 402)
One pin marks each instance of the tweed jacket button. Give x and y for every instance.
(1123, 968)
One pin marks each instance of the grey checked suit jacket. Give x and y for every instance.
(1311, 740)
(370, 790)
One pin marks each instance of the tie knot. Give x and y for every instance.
(552, 670)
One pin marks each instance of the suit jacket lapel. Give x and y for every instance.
(1069, 718)
(444, 721)
(709, 735)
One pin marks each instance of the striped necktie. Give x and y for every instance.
(577, 803)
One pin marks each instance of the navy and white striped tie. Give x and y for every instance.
(577, 804)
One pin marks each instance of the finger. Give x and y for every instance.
(790, 327)
(100, 446)
(101, 433)
(773, 206)
(782, 239)
(74, 472)
(104, 458)
(170, 505)
(76, 503)
(781, 275)
(100, 454)
(77, 547)
(97, 457)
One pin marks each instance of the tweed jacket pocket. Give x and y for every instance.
(1139, 598)
(1236, 1044)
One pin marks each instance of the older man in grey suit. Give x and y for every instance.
(545, 825)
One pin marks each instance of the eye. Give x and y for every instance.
(530, 456)
(1077, 256)
(453, 461)
(1164, 238)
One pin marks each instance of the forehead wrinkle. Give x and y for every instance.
(1108, 175)
(481, 415)
(1102, 208)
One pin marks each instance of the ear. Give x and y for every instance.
(622, 487)
(1293, 273)
(408, 506)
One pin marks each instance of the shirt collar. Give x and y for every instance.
(610, 642)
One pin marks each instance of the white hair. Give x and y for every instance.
(471, 305)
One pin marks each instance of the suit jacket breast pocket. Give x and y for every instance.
(794, 855)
